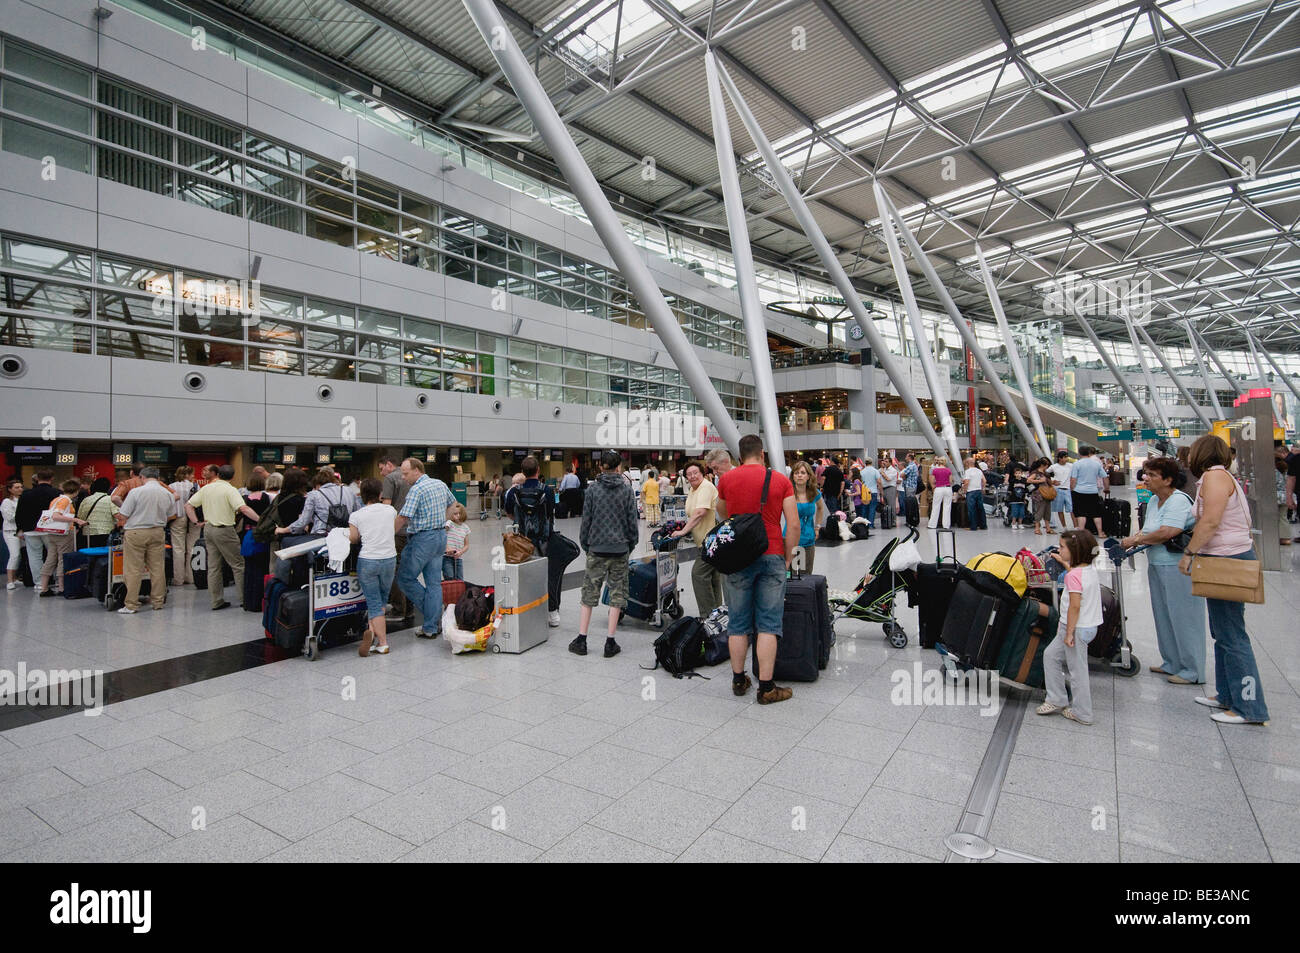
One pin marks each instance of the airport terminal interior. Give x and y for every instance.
(1005, 294)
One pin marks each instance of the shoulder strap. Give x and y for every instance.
(767, 481)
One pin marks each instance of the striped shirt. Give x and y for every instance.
(426, 504)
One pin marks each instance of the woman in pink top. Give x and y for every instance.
(941, 477)
(1223, 529)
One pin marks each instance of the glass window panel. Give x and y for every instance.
(133, 344)
(336, 368)
(523, 389)
(370, 373)
(203, 192)
(131, 309)
(47, 107)
(549, 353)
(491, 277)
(379, 244)
(575, 395)
(523, 349)
(329, 341)
(46, 259)
(421, 330)
(274, 153)
(327, 313)
(463, 361)
(46, 69)
(522, 370)
(462, 383)
(211, 353)
(279, 334)
(548, 295)
(575, 378)
(422, 377)
(274, 360)
(595, 362)
(423, 355)
(28, 331)
(550, 374)
(328, 230)
(133, 171)
(574, 358)
(27, 140)
(491, 343)
(376, 192)
(380, 349)
(550, 392)
(598, 381)
(419, 207)
(383, 323)
(459, 337)
(275, 214)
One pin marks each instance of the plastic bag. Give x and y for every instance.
(462, 641)
(904, 556)
(846, 533)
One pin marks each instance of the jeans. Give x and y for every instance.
(35, 543)
(871, 509)
(975, 508)
(1236, 675)
(423, 557)
(453, 567)
(1180, 622)
(376, 578)
(860, 509)
(1018, 511)
(756, 597)
(1058, 658)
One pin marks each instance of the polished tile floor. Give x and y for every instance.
(422, 755)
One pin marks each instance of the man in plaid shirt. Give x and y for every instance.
(424, 513)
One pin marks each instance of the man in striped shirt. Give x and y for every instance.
(423, 518)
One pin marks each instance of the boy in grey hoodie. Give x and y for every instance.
(609, 534)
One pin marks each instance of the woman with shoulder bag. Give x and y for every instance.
(1179, 615)
(1223, 531)
(98, 511)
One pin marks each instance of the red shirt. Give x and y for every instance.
(742, 487)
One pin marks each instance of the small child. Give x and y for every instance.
(1080, 617)
(457, 527)
(1019, 491)
(650, 496)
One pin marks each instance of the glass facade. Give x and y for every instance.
(146, 142)
(64, 298)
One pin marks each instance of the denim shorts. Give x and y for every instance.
(1061, 503)
(756, 597)
(376, 578)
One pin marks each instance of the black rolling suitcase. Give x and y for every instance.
(806, 632)
(888, 518)
(933, 595)
(978, 618)
(960, 514)
(1116, 517)
(291, 621)
(76, 576)
(912, 510)
(560, 551)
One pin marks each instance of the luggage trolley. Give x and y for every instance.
(115, 591)
(665, 599)
(334, 598)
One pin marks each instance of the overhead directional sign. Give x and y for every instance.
(1160, 433)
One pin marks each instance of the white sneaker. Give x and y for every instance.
(1209, 702)
(13, 585)
(125, 611)
(553, 619)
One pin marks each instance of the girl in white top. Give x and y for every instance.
(9, 511)
(1080, 619)
(373, 526)
(457, 527)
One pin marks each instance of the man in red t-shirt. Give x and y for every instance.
(756, 594)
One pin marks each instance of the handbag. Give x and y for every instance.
(518, 548)
(737, 542)
(1047, 491)
(49, 525)
(1232, 580)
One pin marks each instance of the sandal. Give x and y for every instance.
(1069, 713)
(1047, 708)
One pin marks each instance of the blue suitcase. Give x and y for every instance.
(642, 590)
(76, 576)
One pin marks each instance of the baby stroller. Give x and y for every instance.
(1002, 504)
(874, 597)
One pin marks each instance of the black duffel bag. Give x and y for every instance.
(738, 542)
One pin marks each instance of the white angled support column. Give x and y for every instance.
(1013, 355)
(1254, 352)
(967, 335)
(1182, 389)
(751, 309)
(538, 105)
(1111, 366)
(1205, 372)
(1290, 385)
(926, 354)
(839, 277)
(1214, 356)
(1146, 369)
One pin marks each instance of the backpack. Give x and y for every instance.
(532, 517)
(264, 531)
(681, 647)
(716, 648)
(337, 515)
(1003, 567)
(474, 608)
